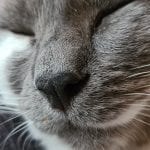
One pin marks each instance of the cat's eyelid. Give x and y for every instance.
(108, 11)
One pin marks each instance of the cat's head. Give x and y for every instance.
(88, 66)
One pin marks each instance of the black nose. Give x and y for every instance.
(60, 89)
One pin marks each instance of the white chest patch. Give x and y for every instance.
(49, 142)
(10, 43)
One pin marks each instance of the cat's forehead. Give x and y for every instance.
(77, 7)
(72, 5)
(86, 3)
(93, 3)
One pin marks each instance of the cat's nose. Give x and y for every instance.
(60, 89)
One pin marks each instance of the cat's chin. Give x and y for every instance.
(55, 127)
(51, 129)
(54, 123)
(49, 141)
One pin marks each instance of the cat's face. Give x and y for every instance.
(80, 71)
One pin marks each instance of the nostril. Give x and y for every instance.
(66, 81)
(62, 88)
(41, 84)
(73, 89)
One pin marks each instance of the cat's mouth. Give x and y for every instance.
(47, 119)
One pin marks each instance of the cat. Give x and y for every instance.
(81, 76)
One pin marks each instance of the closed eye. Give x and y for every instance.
(24, 32)
(109, 10)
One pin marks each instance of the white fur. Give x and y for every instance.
(9, 43)
(49, 142)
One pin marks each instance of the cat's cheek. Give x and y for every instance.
(125, 117)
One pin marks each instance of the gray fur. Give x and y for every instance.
(66, 40)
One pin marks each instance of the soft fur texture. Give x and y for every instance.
(15, 142)
(105, 41)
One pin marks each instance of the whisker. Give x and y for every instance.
(142, 94)
(138, 74)
(140, 67)
(137, 119)
(142, 105)
(147, 75)
(141, 121)
(12, 112)
(13, 132)
(17, 116)
(144, 114)
(29, 144)
(9, 120)
(25, 141)
(142, 87)
(21, 135)
(7, 108)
